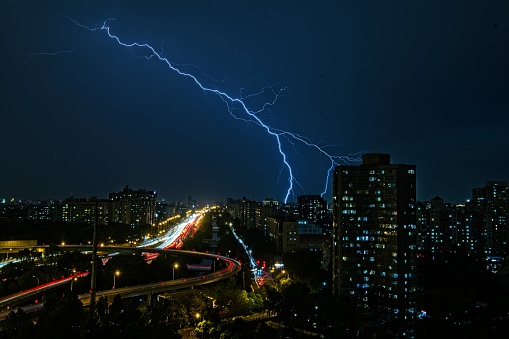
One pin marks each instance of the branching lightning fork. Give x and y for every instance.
(31, 55)
(234, 104)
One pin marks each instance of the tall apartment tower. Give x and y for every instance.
(312, 208)
(85, 210)
(248, 213)
(446, 226)
(374, 236)
(268, 208)
(492, 201)
(133, 207)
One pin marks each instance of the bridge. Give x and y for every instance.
(231, 268)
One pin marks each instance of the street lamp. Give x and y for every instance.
(73, 276)
(37, 279)
(174, 267)
(198, 316)
(117, 273)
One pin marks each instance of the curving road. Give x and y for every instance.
(165, 244)
(232, 267)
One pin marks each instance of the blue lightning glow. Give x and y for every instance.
(31, 55)
(234, 104)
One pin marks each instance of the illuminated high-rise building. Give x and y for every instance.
(445, 226)
(268, 208)
(490, 206)
(248, 213)
(85, 210)
(312, 208)
(374, 236)
(133, 207)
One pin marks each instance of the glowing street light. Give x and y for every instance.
(117, 273)
(37, 279)
(174, 267)
(73, 277)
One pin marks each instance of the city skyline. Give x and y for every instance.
(83, 115)
(190, 198)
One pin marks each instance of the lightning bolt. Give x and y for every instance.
(31, 55)
(238, 105)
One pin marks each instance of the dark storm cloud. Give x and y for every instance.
(425, 81)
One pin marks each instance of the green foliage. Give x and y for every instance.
(228, 297)
(296, 303)
(263, 331)
(208, 330)
(61, 316)
(18, 325)
(306, 268)
(255, 301)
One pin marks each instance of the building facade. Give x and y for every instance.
(82, 210)
(374, 236)
(133, 207)
(312, 208)
(491, 203)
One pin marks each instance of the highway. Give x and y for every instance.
(174, 236)
(169, 243)
(35, 291)
(232, 268)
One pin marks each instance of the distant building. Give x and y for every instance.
(268, 208)
(315, 238)
(191, 203)
(290, 235)
(133, 207)
(491, 203)
(243, 209)
(48, 210)
(423, 225)
(478, 227)
(477, 223)
(82, 210)
(445, 227)
(248, 213)
(312, 208)
(374, 236)
(284, 232)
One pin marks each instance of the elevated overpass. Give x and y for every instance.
(231, 268)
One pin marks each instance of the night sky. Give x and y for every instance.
(426, 81)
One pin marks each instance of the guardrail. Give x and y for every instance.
(33, 292)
